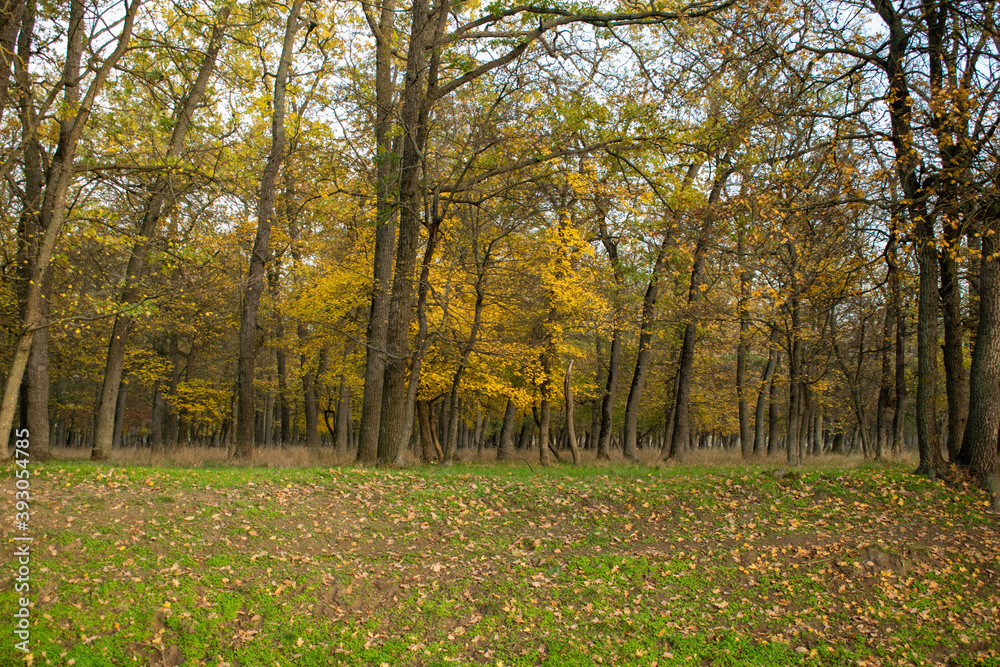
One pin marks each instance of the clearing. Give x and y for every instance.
(251, 567)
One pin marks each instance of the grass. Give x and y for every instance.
(507, 565)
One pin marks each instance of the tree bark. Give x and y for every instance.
(117, 440)
(984, 397)
(772, 411)
(259, 255)
(385, 234)
(899, 414)
(413, 121)
(456, 383)
(885, 387)
(907, 164)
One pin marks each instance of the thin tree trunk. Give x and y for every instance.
(898, 313)
(505, 451)
(759, 447)
(156, 421)
(614, 361)
(467, 351)
(343, 416)
(746, 445)
(772, 411)
(259, 255)
(682, 419)
(154, 209)
(570, 425)
(885, 388)
(643, 356)
(120, 415)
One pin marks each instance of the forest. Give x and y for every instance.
(406, 231)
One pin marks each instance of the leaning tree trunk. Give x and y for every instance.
(463, 363)
(685, 368)
(53, 211)
(259, 255)
(153, 211)
(423, 342)
(630, 444)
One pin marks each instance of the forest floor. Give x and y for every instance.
(504, 565)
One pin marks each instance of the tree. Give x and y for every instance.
(153, 210)
(259, 254)
(59, 177)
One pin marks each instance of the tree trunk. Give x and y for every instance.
(259, 255)
(423, 342)
(155, 207)
(885, 385)
(907, 164)
(426, 432)
(117, 440)
(685, 367)
(954, 355)
(772, 411)
(984, 396)
(931, 462)
(570, 425)
(899, 413)
(60, 177)
(643, 356)
(310, 404)
(759, 447)
(544, 422)
(614, 361)
(505, 451)
(746, 445)
(343, 416)
(413, 119)
(467, 351)
(385, 233)
(156, 421)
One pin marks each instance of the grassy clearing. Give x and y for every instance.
(507, 566)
